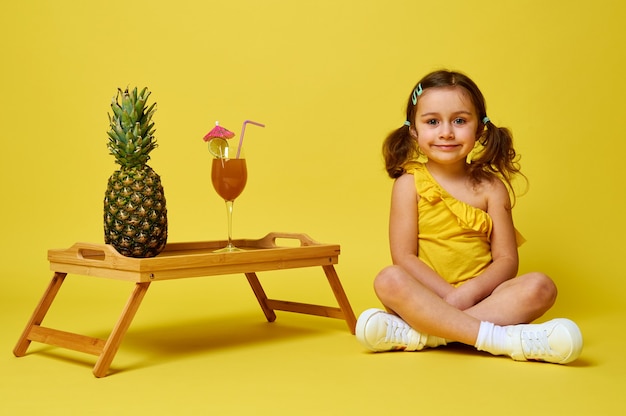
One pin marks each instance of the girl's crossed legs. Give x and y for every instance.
(428, 320)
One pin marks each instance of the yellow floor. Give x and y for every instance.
(203, 347)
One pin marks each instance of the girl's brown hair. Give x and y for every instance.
(496, 155)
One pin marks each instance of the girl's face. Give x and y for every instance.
(445, 125)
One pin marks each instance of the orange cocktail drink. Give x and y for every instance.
(229, 177)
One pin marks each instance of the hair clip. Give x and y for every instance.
(486, 120)
(407, 123)
(416, 93)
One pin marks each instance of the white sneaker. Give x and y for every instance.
(378, 330)
(557, 341)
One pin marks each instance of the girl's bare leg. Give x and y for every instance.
(422, 309)
(519, 300)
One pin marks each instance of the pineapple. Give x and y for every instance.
(135, 216)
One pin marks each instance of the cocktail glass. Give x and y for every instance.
(228, 175)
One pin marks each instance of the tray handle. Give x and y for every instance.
(269, 241)
(92, 251)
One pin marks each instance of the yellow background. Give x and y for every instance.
(329, 79)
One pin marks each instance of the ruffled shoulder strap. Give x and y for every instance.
(467, 216)
(426, 185)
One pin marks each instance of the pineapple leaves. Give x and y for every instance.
(117, 110)
(131, 130)
(127, 102)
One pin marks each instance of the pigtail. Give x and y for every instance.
(496, 157)
(398, 148)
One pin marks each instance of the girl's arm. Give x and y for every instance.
(504, 264)
(403, 231)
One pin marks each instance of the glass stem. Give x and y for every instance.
(229, 214)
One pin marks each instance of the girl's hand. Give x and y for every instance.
(461, 297)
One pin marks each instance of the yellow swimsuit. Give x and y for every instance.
(454, 237)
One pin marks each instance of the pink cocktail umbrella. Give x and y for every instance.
(219, 132)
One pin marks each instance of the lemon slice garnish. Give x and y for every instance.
(218, 147)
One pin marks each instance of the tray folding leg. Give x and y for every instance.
(115, 338)
(340, 295)
(40, 312)
(104, 349)
(270, 305)
(260, 296)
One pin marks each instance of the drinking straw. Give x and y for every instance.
(243, 130)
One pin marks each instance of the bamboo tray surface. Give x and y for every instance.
(189, 259)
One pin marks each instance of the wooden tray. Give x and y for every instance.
(177, 261)
(181, 260)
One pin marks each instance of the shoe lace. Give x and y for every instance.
(398, 333)
(535, 344)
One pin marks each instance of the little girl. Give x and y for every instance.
(452, 239)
